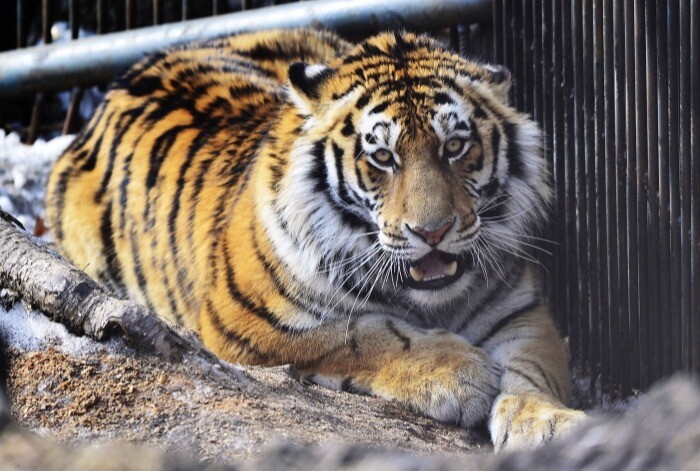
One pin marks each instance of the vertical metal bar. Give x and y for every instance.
(652, 195)
(621, 193)
(695, 182)
(674, 189)
(684, 178)
(245, 5)
(631, 188)
(498, 44)
(579, 229)
(214, 7)
(33, 130)
(639, 253)
(100, 16)
(516, 8)
(70, 124)
(156, 12)
(591, 243)
(129, 11)
(559, 157)
(72, 20)
(185, 9)
(662, 107)
(538, 66)
(570, 183)
(527, 65)
(20, 24)
(598, 228)
(71, 120)
(613, 326)
(508, 34)
(45, 22)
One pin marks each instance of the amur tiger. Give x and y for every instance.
(361, 212)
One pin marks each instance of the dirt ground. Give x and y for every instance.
(118, 396)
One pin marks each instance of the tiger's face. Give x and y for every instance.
(421, 146)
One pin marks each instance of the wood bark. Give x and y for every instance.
(41, 278)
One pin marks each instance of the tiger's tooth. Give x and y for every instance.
(451, 269)
(416, 274)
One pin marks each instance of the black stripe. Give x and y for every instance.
(232, 336)
(505, 320)
(122, 127)
(513, 276)
(552, 385)
(113, 266)
(159, 151)
(442, 98)
(338, 154)
(273, 274)
(261, 312)
(405, 340)
(319, 174)
(348, 128)
(138, 271)
(525, 376)
(380, 107)
(516, 166)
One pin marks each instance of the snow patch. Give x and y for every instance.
(27, 330)
(24, 172)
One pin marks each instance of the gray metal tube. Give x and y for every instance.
(97, 59)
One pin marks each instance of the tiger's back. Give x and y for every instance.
(139, 198)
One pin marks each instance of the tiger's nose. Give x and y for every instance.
(434, 236)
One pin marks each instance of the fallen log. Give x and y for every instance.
(44, 280)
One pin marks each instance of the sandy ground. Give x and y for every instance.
(115, 395)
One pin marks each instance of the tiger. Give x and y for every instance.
(362, 212)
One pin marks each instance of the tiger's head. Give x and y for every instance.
(417, 151)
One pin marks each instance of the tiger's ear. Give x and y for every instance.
(305, 83)
(499, 81)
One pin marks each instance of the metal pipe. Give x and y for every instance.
(98, 58)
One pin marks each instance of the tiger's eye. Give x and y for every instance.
(383, 156)
(454, 146)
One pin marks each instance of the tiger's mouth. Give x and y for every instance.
(437, 270)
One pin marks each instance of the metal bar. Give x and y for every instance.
(72, 20)
(185, 9)
(621, 195)
(613, 338)
(99, 16)
(674, 189)
(641, 196)
(597, 227)
(631, 188)
(45, 22)
(156, 12)
(695, 182)
(684, 178)
(569, 183)
(20, 24)
(98, 58)
(652, 203)
(662, 107)
(129, 11)
(70, 124)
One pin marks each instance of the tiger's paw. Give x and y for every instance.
(526, 421)
(443, 378)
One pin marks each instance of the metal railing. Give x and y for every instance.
(616, 86)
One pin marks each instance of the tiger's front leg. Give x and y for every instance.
(433, 372)
(535, 386)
